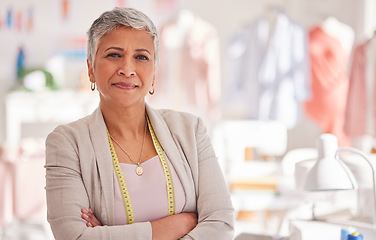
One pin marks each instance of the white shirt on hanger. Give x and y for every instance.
(340, 31)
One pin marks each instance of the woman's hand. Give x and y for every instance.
(167, 228)
(90, 218)
(173, 227)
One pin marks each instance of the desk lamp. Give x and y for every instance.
(330, 173)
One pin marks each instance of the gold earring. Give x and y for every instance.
(92, 86)
(152, 91)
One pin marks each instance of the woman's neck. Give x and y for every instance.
(125, 122)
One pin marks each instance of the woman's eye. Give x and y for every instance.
(142, 57)
(114, 55)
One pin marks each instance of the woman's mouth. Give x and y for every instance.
(126, 86)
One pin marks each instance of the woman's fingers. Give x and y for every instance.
(90, 218)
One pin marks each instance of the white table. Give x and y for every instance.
(320, 230)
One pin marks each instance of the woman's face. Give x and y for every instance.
(124, 68)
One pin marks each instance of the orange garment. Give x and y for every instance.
(329, 84)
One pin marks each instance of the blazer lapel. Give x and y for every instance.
(175, 155)
(98, 135)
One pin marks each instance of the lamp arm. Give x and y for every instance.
(354, 150)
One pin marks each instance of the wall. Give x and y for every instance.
(40, 43)
(50, 31)
(51, 37)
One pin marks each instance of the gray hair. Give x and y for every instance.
(120, 17)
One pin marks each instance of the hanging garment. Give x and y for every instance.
(268, 72)
(189, 70)
(329, 84)
(360, 108)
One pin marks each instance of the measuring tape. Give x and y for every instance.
(123, 186)
(121, 181)
(166, 169)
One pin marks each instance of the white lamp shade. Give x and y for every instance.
(329, 173)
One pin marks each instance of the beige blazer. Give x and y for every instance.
(79, 174)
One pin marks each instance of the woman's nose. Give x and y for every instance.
(126, 73)
(127, 69)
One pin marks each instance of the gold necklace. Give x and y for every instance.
(139, 170)
(123, 186)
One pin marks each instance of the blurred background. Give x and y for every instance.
(267, 77)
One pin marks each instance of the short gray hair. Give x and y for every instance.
(120, 17)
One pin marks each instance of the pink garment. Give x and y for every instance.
(329, 84)
(189, 70)
(148, 192)
(356, 111)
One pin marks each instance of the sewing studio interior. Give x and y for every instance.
(243, 102)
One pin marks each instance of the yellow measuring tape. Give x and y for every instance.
(166, 169)
(123, 186)
(121, 181)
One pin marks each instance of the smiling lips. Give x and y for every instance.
(123, 85)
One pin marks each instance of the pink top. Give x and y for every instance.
(329, 84)
(356, 109)
(147, 192)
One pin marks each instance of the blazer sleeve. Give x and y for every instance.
(67, 194)
(214, 206)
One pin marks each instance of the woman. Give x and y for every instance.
(132, 171)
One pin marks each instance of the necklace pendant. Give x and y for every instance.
(139, 170)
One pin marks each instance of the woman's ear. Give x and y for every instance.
(156, 69)
(90, 71)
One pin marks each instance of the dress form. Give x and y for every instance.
(174, 37)
(183, 23)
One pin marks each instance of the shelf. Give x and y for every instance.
(40, 112)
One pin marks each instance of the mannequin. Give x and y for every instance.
(188, 74)
(340, 31)
(183, 23)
